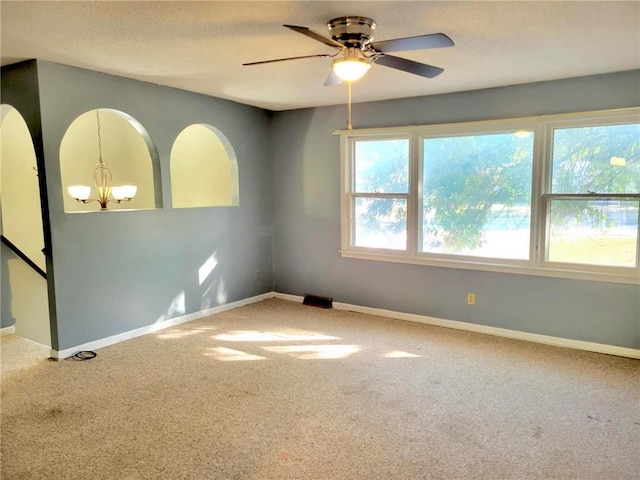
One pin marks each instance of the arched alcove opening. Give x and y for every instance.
(25, 301)
(204, 169)
(125, 147)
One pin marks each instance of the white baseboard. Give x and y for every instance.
(438, 322)
(171, 322)
(7, 330)
(291, 298)
(484, 329)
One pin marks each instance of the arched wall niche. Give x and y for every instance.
(204, 169)
(19, 189)
(127, 150)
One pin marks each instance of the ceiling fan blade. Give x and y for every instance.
(316, 36)
(285, 59)
(410, 66)
(433, 40)
(332, 79)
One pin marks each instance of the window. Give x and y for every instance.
(555, 195)
(591, 209)
(476, 195)
(380, 193)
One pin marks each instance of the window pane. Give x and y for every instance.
(602, 159)
(381, 223)
(594, 232)
(382, 166)
(477, 195)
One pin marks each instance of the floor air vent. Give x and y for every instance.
(317, 301)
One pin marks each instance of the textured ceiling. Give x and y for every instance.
(200, 46)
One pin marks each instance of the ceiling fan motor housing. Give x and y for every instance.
(352, 32)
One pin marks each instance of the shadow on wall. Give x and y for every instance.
(176, 308)
(212, 286)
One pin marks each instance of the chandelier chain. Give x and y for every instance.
(100, 162)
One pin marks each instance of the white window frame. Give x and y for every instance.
(353, 195)
(542, 128)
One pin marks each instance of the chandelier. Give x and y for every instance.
(102, 178)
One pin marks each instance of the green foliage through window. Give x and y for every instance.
(473, 187)
(557, 193)
(602, 159)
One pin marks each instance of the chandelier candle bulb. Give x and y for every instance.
(118, 193)
(129, 191)
(124, 192)
(79, 192)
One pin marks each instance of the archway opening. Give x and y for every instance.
(125, 147)
(25, 301)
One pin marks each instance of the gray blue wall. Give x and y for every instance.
(307, 220)
(118, 271)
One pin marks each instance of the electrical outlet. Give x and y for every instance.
(257, 275)
(471, 298)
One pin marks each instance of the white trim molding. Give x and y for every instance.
(411, 317)
(10, 330)
(484, 329)
(171, 322)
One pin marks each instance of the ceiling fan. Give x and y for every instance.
(356, 51)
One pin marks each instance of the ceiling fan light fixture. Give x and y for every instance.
(350, 69)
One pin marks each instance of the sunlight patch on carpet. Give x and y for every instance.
(400, 354)
(257, 336)
(230, 355)
(316, 352)
(180, 333)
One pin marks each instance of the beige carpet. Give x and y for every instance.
(18, 353)
(279, 390)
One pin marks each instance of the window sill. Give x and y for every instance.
(631, 278)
